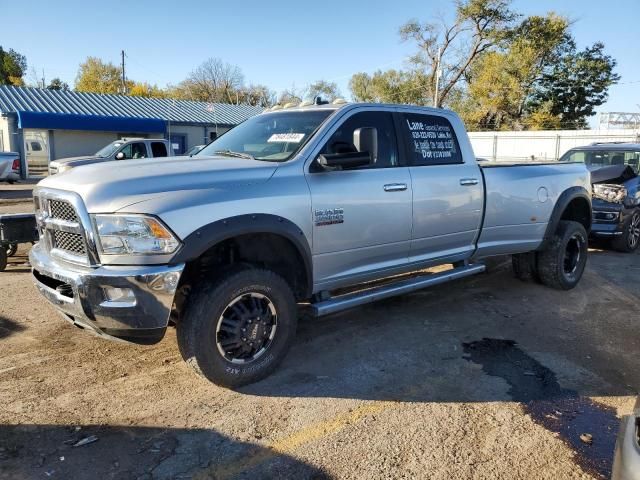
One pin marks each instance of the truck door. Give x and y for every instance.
(448, 192)
(362, 216)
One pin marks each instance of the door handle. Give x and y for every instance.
(468, 181)
(395, 187)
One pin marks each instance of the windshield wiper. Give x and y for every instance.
(231, 153)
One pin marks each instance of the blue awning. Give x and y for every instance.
(66, 121)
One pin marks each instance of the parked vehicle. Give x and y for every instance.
(626, 460)
(285, 209)
(15, 228)
(9, 167)
(193, 150)
(616, 191)
(124, 149)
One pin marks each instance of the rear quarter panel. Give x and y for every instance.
(519, 202)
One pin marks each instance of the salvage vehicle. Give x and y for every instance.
(9, 167)
(306, 207)
(626, 459)
(616, 191)
(124, 149)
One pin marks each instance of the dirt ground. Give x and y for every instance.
(487, 377)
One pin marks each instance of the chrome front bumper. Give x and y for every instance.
(87, 296)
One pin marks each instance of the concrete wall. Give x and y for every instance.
(74, 143)
(542, 145)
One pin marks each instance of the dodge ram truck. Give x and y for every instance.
(312, 210)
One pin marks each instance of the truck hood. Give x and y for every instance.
(111, 186)
(78, 160)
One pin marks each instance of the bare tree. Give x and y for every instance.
(215, 81)
(290, 95)
(452, 49)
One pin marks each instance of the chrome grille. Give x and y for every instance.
(63, 226)
(70, 242)
(62, 210)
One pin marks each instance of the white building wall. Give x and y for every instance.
(542, 145)
(4, 135)
(75, 143)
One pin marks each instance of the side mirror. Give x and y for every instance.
(366, 141)
(120, 156)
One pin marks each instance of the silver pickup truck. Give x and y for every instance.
(301, 208)
(123, 149)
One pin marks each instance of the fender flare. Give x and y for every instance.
(207, 236)
(561, 205)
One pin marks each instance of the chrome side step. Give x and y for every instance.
(343, 302)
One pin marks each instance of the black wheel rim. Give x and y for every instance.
(573, 253)
(246, 328)
(634, 230)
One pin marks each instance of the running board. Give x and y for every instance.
(343, 302)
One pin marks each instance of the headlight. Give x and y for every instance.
(609, 193)
(133, 235)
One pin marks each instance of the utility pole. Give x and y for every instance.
(43, 84)
(438, 73)
(124, 83)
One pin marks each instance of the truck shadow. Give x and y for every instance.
(41, 451)
(8, 327)
(484, 339)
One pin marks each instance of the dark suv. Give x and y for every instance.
(616, 190)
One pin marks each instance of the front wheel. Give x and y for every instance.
(630, 239)
(236, 330)
(562, 263)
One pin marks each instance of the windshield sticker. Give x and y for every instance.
(286, 138)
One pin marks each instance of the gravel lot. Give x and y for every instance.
(487, 377)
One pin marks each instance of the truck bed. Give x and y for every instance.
(519, 200)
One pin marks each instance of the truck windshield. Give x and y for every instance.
(108, 150)
(273, 137)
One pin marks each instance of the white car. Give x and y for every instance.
(9, 167)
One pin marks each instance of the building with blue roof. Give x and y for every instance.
(44, 125)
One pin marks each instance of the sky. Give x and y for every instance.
(277, 43)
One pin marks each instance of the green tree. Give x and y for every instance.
(501, 83)
(96, 76)
(392, 86)
(323, 89)
(576, 84)
(57, 84)
(13, 67)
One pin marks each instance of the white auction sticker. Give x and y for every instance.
(286, 137)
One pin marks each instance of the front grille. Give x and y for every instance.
(70, 242)
(63, 211)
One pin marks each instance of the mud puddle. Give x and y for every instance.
(558, 409)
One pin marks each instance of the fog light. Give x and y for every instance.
(120, 295)
(166, 282)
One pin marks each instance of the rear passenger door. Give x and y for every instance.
(362, 216)
(448, 191)
(158, 149)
